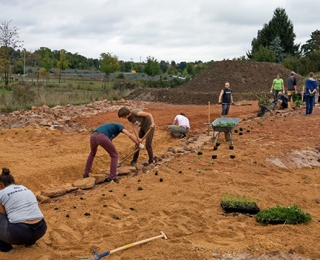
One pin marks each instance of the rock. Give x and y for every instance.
(54, 192)
(85, 184)
(43, 199)
(99, 178)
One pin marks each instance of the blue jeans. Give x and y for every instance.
(309, 104)
(19, 233)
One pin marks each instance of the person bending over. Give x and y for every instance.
(21, 220)
(180, 126)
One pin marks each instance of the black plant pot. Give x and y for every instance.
(249, 210)
(214, 156)
(215, 148)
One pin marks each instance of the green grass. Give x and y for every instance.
(236, 201)
(280, 214)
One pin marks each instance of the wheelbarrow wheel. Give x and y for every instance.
(261, 112)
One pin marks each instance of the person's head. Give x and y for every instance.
(278, 76)
(123, 112)
(292, 73)
(279, 93)
(6, 178)
(183, 114)
(311, 74)
(227, 85)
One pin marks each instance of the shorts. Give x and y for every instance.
(290, 92)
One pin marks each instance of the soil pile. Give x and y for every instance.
(247, 79)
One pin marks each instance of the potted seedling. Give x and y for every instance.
(215, 148)
(280, 215)
(231, 147)
(239, 203)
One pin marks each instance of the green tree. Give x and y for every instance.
(163, 66)
(9, 41)
(264, 54)
(48, 60)
(279, 26)
(108, 63)
(152, 67)
(311, 45)
(190, 69)
(63, 63)
(277, 49)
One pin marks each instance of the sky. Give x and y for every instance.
(169, 30)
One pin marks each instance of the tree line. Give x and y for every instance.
(274, 43)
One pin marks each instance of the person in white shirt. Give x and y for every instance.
(180, 126)
(21, 220)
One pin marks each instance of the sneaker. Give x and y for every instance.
(30, 245)
(110, 180)
(133, 162)
(85, 175)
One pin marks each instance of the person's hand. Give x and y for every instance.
(232, 103)
(141, 146)
(284, 92)
(219, 102)
(270, 91)
(153, 125)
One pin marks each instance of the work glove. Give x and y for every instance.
(219, 102)
(141, 146)
(270, 91)
(284, 92)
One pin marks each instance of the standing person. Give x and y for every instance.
(311, 88)
(292, 87)
(21, 221)
(145, 121)
(103, 136)
(277, 85)
(180, 126)
(225, 98)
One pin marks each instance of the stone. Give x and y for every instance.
(54, 192)
(85, 184)
(43, 199)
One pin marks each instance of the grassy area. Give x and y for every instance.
(24, 95)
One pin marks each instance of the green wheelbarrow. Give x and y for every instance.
(225, 125)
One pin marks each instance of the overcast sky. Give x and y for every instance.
(179, 30)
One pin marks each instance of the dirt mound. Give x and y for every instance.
(247, 79)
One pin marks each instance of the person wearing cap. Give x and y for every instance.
(277, 85)
(282, 100)
(180, 126)
(291, 87)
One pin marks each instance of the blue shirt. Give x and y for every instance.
(112, 130)
(311, 84)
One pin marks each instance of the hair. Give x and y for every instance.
(183, 114)
(6, 178)
(311, 74)
(124, 111)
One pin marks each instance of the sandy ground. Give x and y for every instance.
(185, 205)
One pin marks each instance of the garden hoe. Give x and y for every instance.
(96, 256)
(141, 146)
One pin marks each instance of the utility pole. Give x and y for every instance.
(24, 63)
(131, 67)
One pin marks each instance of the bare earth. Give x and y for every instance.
(276, 162)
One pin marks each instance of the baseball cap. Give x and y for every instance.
(292, 73)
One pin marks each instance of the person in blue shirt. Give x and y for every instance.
(311, 88)
(103, 136)
(225, 98)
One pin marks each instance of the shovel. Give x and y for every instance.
(97, 256)
(135, 150)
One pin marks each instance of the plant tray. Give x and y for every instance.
(248, 210)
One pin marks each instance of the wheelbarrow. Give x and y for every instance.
(267, 108)
(225, 125)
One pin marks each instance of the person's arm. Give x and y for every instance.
(2, 210)
(231, 98)
(272, 86)
(174, 121)
(145, 114)
(220, 96)
(131, 136)
(283, 91)
(135, 131)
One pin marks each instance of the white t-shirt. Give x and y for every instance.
(182, 121)
(20, 204)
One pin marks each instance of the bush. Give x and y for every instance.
(264, 100)
(278, 215)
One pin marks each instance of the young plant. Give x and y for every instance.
(237, 201)
(279, 214)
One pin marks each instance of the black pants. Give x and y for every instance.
(19, 233)
(149, 138)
